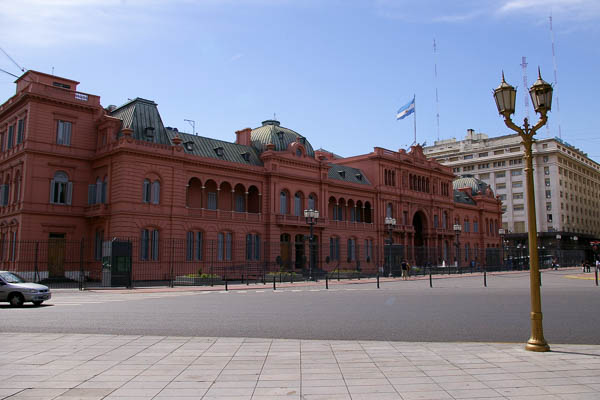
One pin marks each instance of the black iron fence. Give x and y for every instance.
(134, 262)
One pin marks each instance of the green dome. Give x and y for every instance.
(272, 133)
(468, 181)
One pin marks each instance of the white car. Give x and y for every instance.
(17, 291)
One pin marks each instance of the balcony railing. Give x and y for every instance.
(224, 215)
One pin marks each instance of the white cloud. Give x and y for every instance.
(566, 9)
(41, 23)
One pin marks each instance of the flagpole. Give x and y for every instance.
(415, 116)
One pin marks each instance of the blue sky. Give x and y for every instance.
(335, 71)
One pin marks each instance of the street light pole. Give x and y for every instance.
(311, 219)
(541, 97)
(502, 232)
(390, 224)
(457, 230)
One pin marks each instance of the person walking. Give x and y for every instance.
(404, 267)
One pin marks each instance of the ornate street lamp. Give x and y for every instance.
(390, 224)
(541, 97)
(457, 230)
(311, 219)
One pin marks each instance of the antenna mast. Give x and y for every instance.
(192, 123)
(555, 79)
(437, 101)
(525, 85)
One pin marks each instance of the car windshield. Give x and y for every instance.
(9, 277)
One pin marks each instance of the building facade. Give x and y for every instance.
(567, 184)
(73, 171)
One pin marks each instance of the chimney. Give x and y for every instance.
(243, 136)
(470, 133)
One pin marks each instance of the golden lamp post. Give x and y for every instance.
(541, 97)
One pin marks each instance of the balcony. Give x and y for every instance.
(223, 215)
(97, 210)
(63, 94)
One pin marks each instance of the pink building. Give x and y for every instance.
(74, 174)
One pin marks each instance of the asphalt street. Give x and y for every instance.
(455, 309)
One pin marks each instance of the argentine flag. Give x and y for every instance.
(406, 110)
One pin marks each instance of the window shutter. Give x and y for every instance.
(69, 192)
(155, 245)
(155, 192)
(98, 192)
(2, 190)
(104, 187)
(91, 194)
(144, 245)
(199, 246)
(228, 246)
(52, 189)
(67, 133)
(189, 246)
(256, 247)
(20, 131)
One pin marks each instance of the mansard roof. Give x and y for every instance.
(477, 186)
(142, 117)
(208, 147)
(347, 174)
(271, 132)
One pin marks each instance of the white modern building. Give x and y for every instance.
(567, 183)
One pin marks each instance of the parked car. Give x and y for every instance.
(17, 290)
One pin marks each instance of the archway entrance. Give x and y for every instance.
(419, 224)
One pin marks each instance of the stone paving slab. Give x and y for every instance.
(90, 367)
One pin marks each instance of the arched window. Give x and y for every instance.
(283, 202)
(60, 189)
(146, 191)
(155, 192)
(149, 245)
(98, 191)
(193, 246)
(311, 202)
(351, 250)
(298, 204)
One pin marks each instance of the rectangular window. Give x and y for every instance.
(515, 149)
(224, 246)
(252, 247)
(500, 174)
(548, 194)
(549, 217)
(497, 152)
(2, 142)
(484, 176)
(516, 172)
(468, 157)
(517, 195)
(517, 184)
(155, 243)
(547, 182)
(144, 244)
(483, 154)
(545, 158)
(368, 249)
(11, 137)
(351, 250)
(211, 200)
(501, 186)
(518, 207)
(475, 226)
(240, 203)
(189, 246)
(436, 221)
(503, 196)
(20, 130)
(63, 133)
(334, 248)
(546, 170)
(91, 194)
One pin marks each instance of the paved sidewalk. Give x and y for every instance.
(73, 366)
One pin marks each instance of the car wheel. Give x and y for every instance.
(16, 300)
(37, 303)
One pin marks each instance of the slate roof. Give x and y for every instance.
(468, 181)
(272, 133)
(207, 147)
(347, 174)
(140, 114)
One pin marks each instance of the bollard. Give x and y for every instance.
(540, 272)
(430, 279)
(377, 281)
(326, 281)
(292, 277)
(242, 278)
(485, 278)
(274, 287)
(226, 289)
(596, 276)
(338, 272)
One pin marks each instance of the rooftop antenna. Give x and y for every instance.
(52, 70)
(13, 61)
(192, 123)
(437, 102)
(525, 85)
(555, 79)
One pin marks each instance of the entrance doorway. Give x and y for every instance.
(284, 249)
(419, 225)
(300, 256)
(57, 245)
